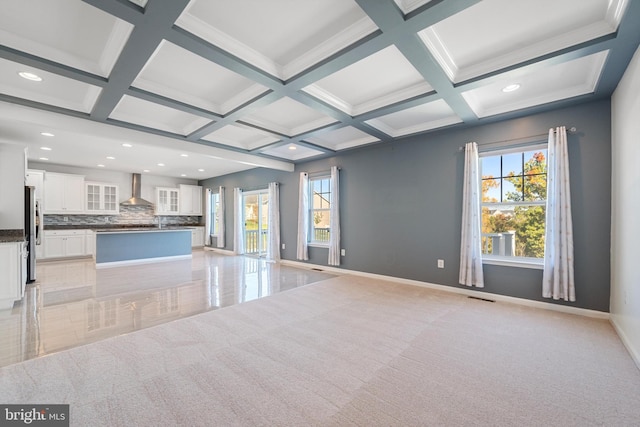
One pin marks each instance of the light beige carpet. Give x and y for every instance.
(346, 351)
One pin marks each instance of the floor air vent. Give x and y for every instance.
(481, 299)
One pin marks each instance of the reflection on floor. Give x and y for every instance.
(72, 303)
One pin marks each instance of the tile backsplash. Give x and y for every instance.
(137, 215)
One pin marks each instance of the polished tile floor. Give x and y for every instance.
(72, 303)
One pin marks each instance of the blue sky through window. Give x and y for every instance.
(501, 166)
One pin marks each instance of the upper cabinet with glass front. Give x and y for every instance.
(167, 201)
(101, 198)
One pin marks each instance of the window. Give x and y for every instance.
(215, 213)
(319, 209)
(514, 193)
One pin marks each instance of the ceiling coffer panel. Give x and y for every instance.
(200, 88)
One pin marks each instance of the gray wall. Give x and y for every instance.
(401, 204)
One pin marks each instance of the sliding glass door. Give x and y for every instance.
(256, 222)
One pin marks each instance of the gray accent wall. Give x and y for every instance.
(401, 204)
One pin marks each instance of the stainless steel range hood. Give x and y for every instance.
(136, 199)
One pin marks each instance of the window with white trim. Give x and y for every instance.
(319, 209)
(514, 195)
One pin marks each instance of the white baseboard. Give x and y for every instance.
(635, 353)
(462, 291)
(140, 261)
(222, 251)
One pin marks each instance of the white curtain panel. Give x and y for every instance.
(207, 218)
(273, 230)
(471, 243)
(557, 279)
(220, 236)
(303, 218)
(334, 220)
(238, 225)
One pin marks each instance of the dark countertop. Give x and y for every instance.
(12, 236)
(106, 227)
(141, 229)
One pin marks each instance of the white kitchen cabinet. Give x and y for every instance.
(93, 197)
(101, 198)
(35, 178)
(75, 245)
(190, 200)
(197, 237)
(90, 243)
(64, 243)
(12, 276)
(167, 201)
(63, 193)
(110, 199)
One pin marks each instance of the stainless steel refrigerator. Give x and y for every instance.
(32, 230)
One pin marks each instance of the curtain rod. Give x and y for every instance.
(257, 188)
(317, 172)
(572, 129)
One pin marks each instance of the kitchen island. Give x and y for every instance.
(13, 267)
(127, 246)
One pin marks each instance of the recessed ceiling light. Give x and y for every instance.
(43, 158)
(46, 134)
(100, 166)
(293, 147)
(511, 88)
(200, 170)
(146, 170)
(160, 164)
(30, 76)
(184, 174)
(127, 145)
(111, 158)
(184, 155)
(45, 148)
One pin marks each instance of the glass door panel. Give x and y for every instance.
(256, 220)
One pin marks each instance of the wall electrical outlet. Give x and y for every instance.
(440, 263)
(283, 246)
(343, 252)
(65, 219)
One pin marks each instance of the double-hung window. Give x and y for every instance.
(319, 209)
(514, 194)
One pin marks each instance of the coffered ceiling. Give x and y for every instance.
(210, 87)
